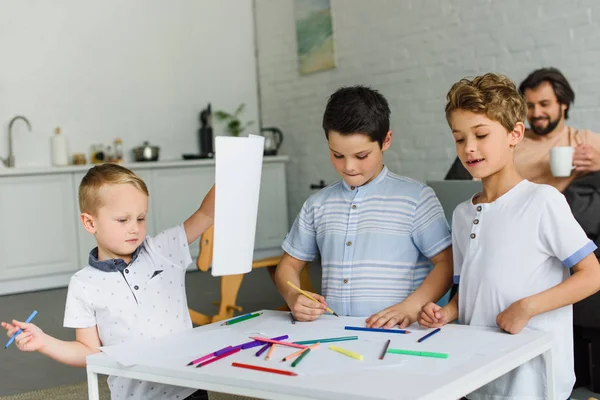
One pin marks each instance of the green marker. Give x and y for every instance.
(241, 319)
(297, 360)
(418, 353)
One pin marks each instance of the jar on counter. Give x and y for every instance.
(98, 156)
(79, 159)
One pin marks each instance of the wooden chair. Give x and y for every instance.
(230, 284)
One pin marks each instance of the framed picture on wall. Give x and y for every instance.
(314, 34)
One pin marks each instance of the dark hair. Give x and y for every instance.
(554, 77)
(357, 109)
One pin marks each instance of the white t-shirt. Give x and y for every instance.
(142, 300)
(519, 245)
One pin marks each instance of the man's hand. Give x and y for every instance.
(304, 309)
(31, 339)
(586, 159)
(433, 316)
(515, 317)
(397, 314)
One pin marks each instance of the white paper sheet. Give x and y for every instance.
(237, 176)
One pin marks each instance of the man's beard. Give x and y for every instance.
(543, 131)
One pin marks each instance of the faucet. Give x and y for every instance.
(10, 160)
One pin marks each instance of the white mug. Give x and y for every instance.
(561, 161)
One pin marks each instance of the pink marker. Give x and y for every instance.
(289, 344)
(206, 357)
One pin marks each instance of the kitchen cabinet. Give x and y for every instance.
(42, 241)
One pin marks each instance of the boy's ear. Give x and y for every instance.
(387, 141)
(517, 134)
(89, 223)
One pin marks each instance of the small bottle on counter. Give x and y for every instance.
(110, 155)
(59, 149)
(118, 150)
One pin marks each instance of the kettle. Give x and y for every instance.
(273, 140)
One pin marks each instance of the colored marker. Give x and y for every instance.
(307, 295)
(17, 333)
(348, 353)
(358, 328)
(209, 355)
(387, 344)
(264, 369)
(418, 353)
(297, 360)
(227, 350)
(212, 360)
(256, 343)
(433, 332)
(270, 353)
(289, 344)
(246, 318)
(296, 354)
(236, 318)
(328, 340)
(263, 349)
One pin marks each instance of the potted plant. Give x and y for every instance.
(233, 125)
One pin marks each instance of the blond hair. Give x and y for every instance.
(493, 95)
(105, 174)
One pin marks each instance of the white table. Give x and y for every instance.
(415, 379)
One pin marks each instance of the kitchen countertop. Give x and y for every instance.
(21, 171)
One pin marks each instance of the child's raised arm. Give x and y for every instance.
(70, 353)
(202, 219)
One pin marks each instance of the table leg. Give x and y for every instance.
(92, 379)
(549, 374)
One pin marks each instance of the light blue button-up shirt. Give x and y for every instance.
(375, 240)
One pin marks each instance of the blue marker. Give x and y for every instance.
(17, 333)
(433, 332)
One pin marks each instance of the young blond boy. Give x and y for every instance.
(133, 287)
(514, 244)
(376, 232)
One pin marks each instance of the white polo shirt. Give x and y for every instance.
(519, 245)
(143, 299)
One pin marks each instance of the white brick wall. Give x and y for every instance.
(412, 51)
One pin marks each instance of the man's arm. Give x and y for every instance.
(435, 285)
(304, 309)
(202, 219)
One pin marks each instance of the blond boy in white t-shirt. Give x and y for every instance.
(133, 287)
(514, 243)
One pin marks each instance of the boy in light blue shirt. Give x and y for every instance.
(376, 232)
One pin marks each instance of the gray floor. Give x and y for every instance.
(21, 372)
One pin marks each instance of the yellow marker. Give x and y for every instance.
(347, 352)
(310, 297)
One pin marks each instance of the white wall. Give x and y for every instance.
(412, 51)
(135, 69)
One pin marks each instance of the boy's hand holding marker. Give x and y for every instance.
(305, 309)
(308, 306)
(31, 339)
